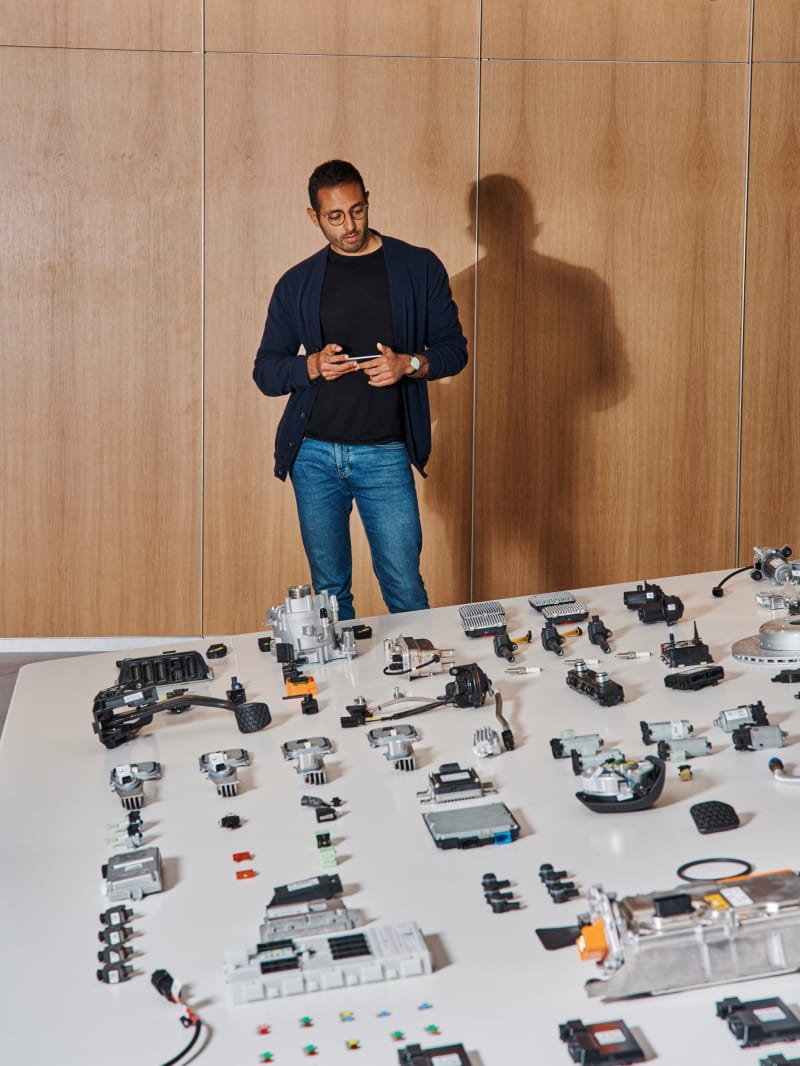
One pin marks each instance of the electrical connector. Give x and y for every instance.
(500, 906)
(116, 915)
(170, 989)
(114, 934)
(778, 772)
(114, 953)
(164, 983)
(114, 973)
(236, 693)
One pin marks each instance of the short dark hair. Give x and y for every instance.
(326, 175)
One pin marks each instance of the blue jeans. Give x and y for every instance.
(327, 478)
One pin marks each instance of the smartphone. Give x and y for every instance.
(363, 358)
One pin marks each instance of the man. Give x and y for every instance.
(377, 319)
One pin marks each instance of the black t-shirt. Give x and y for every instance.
(356, 312)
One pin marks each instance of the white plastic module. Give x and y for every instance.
(283, 968)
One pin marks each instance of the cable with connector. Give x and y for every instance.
(506, 735)
(776, 768)
(167, 987)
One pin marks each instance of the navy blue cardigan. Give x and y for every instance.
(425, 320)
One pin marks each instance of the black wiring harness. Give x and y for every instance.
(164, 984)
(718, 591)
(469, 688)
(121, 711)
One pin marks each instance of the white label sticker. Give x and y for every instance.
(737, 897)
(738, 712)
(294, 885)
(769, 1014)
(608, 1036)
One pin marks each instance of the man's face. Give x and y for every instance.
(351, 236)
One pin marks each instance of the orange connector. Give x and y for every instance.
(306, 687)
(592, 943)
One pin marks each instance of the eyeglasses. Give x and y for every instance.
(356, 212)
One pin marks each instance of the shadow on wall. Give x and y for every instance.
(550, 366)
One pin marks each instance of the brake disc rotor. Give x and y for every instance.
(776, 643)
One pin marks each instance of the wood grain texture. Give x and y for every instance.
(770, 509)
(100, 335)
(374, 28)
(607, 351)
(270, 121)
(776, 31)
(168, 25)
(666, 30)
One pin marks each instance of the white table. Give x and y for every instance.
(493, 988)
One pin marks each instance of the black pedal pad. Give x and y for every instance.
(714, 816)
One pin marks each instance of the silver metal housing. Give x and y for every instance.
(413, 655)
(126, 780)
(307, 753)
(397, 742)
(220, 767)
(735, 930)
(133, 874)
(777, 642)
(306, 622)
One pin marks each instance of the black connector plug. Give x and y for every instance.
(500, 906)
(163, 982)
(508, 739)
(504, 646)
(309, 705)
(236, 693)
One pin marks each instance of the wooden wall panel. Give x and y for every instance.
(607, 351)
(688, 30)
(100, 335)
(770, 510)
(158, 24)
(776, 32)
(270, 120)
(413, 28)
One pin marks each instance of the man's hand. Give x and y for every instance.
(329, 364)
(388, 368)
